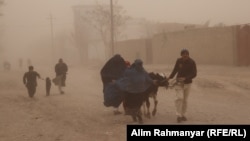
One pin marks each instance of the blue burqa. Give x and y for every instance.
(130, 80)
(135, 79)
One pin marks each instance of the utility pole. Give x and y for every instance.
(112, 27)
(52, 37)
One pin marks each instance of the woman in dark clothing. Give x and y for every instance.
(112, 71)
(61, 69)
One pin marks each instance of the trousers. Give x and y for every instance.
(181, 101)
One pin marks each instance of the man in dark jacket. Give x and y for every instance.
(185, 68)
(61, 70)
(29, 79)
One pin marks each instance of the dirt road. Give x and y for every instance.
(220, 95)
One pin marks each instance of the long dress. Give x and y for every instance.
(112, 70)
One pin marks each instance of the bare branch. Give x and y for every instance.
(99, 19)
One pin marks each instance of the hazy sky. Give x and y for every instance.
(182, 11)
(26, 21)
(191, 11)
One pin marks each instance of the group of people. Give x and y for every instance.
(30, 78)
(116, 77)
(130, 78)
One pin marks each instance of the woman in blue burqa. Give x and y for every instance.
(135, 79)
(135, 83)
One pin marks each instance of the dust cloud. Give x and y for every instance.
(43, 31)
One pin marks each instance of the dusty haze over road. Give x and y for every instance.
(220, 94)
(26, 22)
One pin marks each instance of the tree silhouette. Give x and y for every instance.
(99, 18)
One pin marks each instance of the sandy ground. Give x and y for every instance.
(220, 95)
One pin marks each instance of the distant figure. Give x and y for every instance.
(185, 68)
(29, 80)
(48, 86)
(6, 66)
(61, 70)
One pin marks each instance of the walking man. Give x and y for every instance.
(29, 80)
(185, 68)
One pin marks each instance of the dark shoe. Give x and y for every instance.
(179, 119)
(183, 118)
